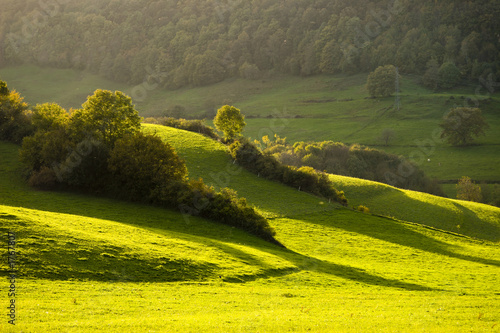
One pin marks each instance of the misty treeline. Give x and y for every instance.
(199, 42)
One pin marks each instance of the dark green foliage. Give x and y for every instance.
(139, 163)
(305, 179)
(460, 125)
(203, 42)
(353, 161)
(382, 82)
(449, 75)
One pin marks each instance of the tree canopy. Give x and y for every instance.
(462, 124)
(106, 117)
(229, 121)
(193, 42)
(15, 118)
(382, 82)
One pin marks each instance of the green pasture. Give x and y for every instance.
(95, 264)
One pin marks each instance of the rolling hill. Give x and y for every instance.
(104, 258)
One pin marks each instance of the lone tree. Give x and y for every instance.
(382, 82)
(229, 121)
(387, 135)
(467, 190)
(461, 124)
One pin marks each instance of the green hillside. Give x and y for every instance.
(343, 270)
(472, 219)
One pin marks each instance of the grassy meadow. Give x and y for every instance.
(96, 264)
(415, 263)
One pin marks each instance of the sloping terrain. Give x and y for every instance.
(210, 161)
(342, 269)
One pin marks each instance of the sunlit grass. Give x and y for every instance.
(473, 219)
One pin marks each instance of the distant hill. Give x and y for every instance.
(193, 42)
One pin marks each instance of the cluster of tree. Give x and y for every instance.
(100, 149)
(305, 179)
(193, 42)
(353, 161)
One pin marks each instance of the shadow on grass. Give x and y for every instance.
(15, 193)
(394, 232)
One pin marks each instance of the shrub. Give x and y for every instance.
(45, 179)
(139, 163)
(363, 209)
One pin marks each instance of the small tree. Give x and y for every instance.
(467, 190)
(229, 121)
(461, 124)
(387, 135)
(382, 82)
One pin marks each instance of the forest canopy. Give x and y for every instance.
(199, 42)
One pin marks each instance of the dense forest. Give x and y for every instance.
(199, 42)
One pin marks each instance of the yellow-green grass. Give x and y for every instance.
(210, 160)
(343, 270)
(173, 307)
(464, 217)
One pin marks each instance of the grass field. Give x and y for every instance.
(307, 109)
(95, 264)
